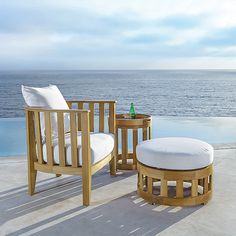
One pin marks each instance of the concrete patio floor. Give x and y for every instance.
(56, 208)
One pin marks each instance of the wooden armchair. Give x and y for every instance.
(41, 153)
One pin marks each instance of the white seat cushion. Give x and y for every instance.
(101, 146)
(47, 97)
(175, 153)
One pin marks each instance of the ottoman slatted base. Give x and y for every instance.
(188, 187)
(162, 180)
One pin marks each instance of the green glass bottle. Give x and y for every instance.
(132, 113)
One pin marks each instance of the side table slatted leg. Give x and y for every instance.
(124, 145)
(135, 142)
(150, 132)
(144, 134)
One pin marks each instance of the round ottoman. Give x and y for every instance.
(175, 171)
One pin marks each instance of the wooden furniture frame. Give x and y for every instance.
(80, 119)
(153, 185)
(125, 159)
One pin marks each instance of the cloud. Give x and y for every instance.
(116, 34)
(221, 37)
(182, 21)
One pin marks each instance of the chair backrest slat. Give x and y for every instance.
(86, 151)
(91, 108)
(101, 117)
(69, 103)
(80, 106)
(38, 137)
(73, 137)
(61, 138)
(48, 132)
(112, 118)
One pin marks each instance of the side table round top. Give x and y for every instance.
(124, 120)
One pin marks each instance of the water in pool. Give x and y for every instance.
(209, 129)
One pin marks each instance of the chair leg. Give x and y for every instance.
(87, 185)
(113, 166)
(31, 181)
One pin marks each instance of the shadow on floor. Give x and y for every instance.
(16, 202)
(128, 215)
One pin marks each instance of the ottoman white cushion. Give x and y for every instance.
(175, 153)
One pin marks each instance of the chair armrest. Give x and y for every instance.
(41, 109)
(90, 101)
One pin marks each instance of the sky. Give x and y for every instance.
(117, 34)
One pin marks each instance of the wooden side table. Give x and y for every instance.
(127, 160)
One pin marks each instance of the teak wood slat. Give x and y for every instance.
(112, 130)
(135, 143)
(112, 117)
(91, 108)
(80, 107)
(101, 117)
(179, 189)
(150, 185)
(31, 151)
(38, 137)
(181, 197)
(48, 132)
(69, 104)
(124, 145)
(205, 185)
(73, 140)
(77, 116)
(101, 164)
(55, 169)
(140, 181)
(61, 138)
(86, 160)
(164, 188)
(117, 142)
(144, 134)
(210, 182)
(150, 132)
(194, 189)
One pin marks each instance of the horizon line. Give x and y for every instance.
(171, 69)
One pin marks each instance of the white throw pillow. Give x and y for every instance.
(47, 97)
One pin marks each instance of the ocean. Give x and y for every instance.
(190, 93)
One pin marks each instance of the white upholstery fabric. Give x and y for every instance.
(175, 153)
(47, 97)
(101, 146)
